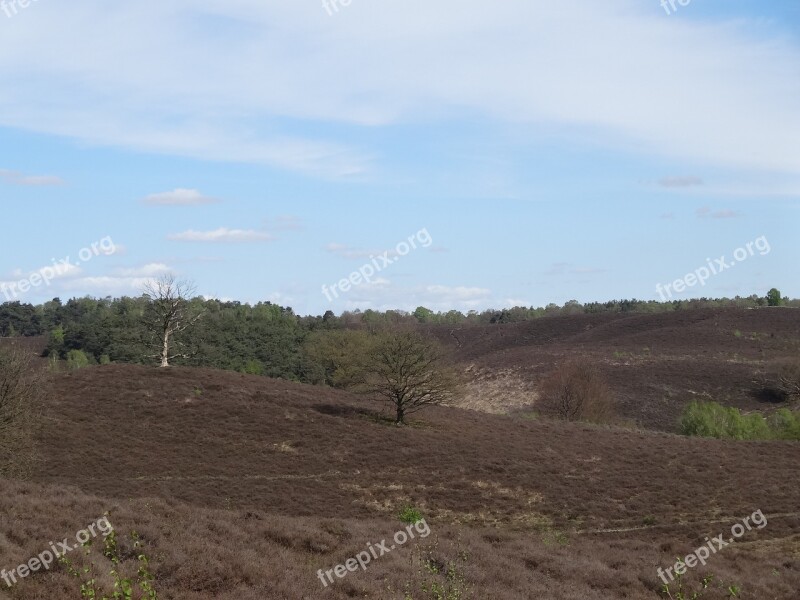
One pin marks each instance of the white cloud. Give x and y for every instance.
(350, 253)
(17, 178)
(148, 270)
(179, 197)
(168, 77)
(222, 235)
(706, 212)
(683, 181)
(382, 294)
(102, 286)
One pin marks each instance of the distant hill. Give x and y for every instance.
(655, 363)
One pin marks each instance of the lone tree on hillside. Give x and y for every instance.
(409, 370)
(577, 392)
(169, 312)
(21, 388)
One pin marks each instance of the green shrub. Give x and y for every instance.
(786, 424)
(409, 514)
(253, 367)
(710, 419)
(77, 359)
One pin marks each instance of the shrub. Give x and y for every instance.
(411, 515)
(77, 359)
(577, 392)
(21, 388)
(710, 419)
(784, 377)
(253, 367)
(786, 424)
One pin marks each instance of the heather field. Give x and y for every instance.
(241, 486)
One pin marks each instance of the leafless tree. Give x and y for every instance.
(169, 313)
(786, 373)
(21, 390)
(576, 391)
(410, 371)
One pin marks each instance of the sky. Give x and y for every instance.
(532, 151)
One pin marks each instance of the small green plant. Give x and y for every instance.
(681, 593)
(410, 515)
(649, 521)
(737, 333)
(438, 578)
(198, 391)
(551, 537)
(124, 588)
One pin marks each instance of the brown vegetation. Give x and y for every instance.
(576, 391)
(22, 385)
(242, 487)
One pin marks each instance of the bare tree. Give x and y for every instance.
(409, 371)
(786, 375)
(577, 392)
(169, 313)
(21, 390)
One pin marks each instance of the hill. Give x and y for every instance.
(243, 487)
(655, 363)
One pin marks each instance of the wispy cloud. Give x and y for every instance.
(179, 197)
(222, 235)
(706, 213)
(211, 106)
(148, 270)
(680, 182)
(350, 253)
(17, 178)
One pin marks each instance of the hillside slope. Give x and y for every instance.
(244, 486)
(654, 363)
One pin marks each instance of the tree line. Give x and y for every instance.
(263, 338)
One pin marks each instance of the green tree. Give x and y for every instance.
(341, 354)
(774, 298)
(424, 315)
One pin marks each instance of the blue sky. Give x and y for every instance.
(552, 151)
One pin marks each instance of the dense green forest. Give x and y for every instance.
(263, 338)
